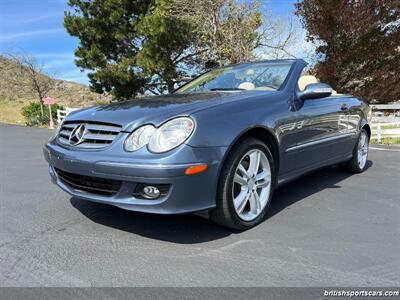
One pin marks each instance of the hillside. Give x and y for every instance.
(14, 96)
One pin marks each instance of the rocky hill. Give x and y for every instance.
(15, 94)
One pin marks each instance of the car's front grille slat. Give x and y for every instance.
(63, 140)
(65, 133)
(92, 145)
(70, 125)
(94, 185)
(91, 135)
(106, 128)
(100, 137)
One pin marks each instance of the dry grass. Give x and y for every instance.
(14, 96)
(387, 141)
(10, 112)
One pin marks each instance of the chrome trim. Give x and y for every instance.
(78, 133)
(99, 136)
(150, 166)
(93, 126)
(320, 141)
(92, 146)
(94, 136)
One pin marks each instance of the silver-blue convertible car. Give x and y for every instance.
(219, 145)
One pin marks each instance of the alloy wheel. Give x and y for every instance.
(362, 150)
(251, 185)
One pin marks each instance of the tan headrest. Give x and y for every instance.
(306, 80)
(247, 86)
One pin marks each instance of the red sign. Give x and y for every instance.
(49, 100)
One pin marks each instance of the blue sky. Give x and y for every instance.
(36, 27)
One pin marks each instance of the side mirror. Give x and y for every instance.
(315, 91)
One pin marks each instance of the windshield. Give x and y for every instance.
(256, 76)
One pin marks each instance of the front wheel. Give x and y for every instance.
(358, 161)
(245, 185)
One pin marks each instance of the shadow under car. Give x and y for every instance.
(192, 229)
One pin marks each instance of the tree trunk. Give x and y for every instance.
(41, 108)
(41, 104)
(171, 86)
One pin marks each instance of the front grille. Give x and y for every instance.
(94, 185)
(88, 135)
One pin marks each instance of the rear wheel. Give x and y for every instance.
(245, 185)
(358, 162)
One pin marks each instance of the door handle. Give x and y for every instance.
(344, 107)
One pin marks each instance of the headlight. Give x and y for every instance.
(169, 136)
(139, 138)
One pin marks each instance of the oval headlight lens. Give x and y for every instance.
(171, 134)
(139, 138)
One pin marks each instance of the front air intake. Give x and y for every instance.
(89, 184)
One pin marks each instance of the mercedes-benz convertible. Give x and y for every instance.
(219, 145)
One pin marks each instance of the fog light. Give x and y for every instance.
(151, 192)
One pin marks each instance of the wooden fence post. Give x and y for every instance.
(379, 132)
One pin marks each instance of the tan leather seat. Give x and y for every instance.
(306, 80)
(247, 86)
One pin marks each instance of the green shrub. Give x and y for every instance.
(31, 113)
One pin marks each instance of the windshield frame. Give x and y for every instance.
(288, 62)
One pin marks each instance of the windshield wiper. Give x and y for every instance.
(227, 89)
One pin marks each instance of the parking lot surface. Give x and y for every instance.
(327, 228)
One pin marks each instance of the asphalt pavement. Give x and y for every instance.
(329, 228)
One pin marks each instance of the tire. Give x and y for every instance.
(358, 162)
(230, 210)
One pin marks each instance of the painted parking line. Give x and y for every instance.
(384, 149)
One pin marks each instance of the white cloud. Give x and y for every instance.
(75, 75)
(17, 20)
(56, 55)
(25, 35)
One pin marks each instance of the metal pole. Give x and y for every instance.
(51, 118)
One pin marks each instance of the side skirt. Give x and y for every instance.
(286, 178)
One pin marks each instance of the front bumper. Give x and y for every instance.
(186, 193)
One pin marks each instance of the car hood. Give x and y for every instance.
(155, 110)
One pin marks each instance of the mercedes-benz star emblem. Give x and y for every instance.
(77, 135)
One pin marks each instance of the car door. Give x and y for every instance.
(321, 129)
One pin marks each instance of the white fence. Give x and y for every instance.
(385, 130)
(61, 114)
(385, 126)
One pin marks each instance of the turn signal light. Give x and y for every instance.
(195, 169)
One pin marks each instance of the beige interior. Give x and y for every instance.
(302, 83)
(247, 86)
(306, 80)
(264, 88)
